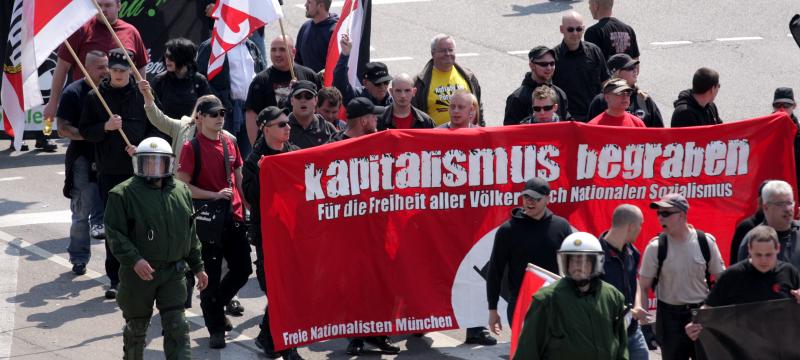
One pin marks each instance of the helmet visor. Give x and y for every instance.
(580, 265)
(153, 165)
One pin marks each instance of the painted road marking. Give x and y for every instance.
(666, 43)
(390, 59)
(12, 178)
(741, 38)
(9, 263)
(48, 217)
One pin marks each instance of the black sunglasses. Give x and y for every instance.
(666, 214)
(304, 96)
(545, 108)
(545, 63)
(281, 124)
(783, 105)
(574, 29)
(216, 113)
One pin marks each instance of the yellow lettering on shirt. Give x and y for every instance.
(443, 85)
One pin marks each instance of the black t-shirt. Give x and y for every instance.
(69, 108)
(580, 73)
(271, 87)
(743, 283)
(613, 37)
(317, 133)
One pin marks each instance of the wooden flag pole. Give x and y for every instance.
(136, 73)
(288, 52)
(94, 87)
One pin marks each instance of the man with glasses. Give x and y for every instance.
(274, 127)
(543, 65)
(376, 78)
(441, 78)
(211, 165)
(783, 101)
(533, 235)
(779, 207)
(695, 106)
(309, 129)
(617, 94)
(544, 106)
(580, 66)
(272, 86)
(677, 264)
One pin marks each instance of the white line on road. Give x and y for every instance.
(60, 172)
(389, 59)
(339, 4)
(467, 54)
(741, 38)
(9, 263)
(517, 52)
(47, 217)
(664, 43)
(11, 178)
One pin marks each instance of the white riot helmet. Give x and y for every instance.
(581, 243)
(153, 159)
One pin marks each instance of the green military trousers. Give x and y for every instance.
(135, 298)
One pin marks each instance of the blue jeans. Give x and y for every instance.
(87, 209)
(637, 347)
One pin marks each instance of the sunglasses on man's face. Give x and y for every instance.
(783, 105)
(540, 108)
(545, 63)
(666, 214)
(574, 29)
(220, 113)
(281, 124)
(304, 96)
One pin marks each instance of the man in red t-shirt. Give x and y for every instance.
(94, 35)
(618, 96)
(401, 115)
(212, 182)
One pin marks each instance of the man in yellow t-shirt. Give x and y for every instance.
(441, 78)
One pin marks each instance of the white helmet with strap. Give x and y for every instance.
(154, 159)
(581, 243)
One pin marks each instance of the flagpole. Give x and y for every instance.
(136, 73)
(94, 87)
(288, 52)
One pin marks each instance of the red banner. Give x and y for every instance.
(387, 233)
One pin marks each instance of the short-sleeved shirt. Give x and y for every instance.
(94, 35)
(683, 273)
(613, 37)
(69, 108)
(626, 120)
(319, 132)
(742, 283)
(443, 86)
(212, 173)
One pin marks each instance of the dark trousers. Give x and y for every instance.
(670, 323)
(106, 183)
(233, 247)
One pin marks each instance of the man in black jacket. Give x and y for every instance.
(543, 65)
(532, 235)
(112, 156)
(375, 82)
(401, 114)
(580, 66)
(274, 127)
(695, 106)
(610, 34)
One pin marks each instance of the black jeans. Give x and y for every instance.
(671, 321)
(106, 183)
(233, 247)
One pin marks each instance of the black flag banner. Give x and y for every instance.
(794, 27)
(754, 331)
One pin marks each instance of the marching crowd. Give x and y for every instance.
(132, 139)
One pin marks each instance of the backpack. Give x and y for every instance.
(662, 255)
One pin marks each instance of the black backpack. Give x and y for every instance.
(662, 255)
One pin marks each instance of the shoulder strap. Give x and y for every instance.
(197, 162)
(225, 162)
(662, 255)
(703, 241)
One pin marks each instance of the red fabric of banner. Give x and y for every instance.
(371, 235)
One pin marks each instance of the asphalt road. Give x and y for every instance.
(47, 313)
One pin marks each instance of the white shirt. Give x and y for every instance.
(242, 70)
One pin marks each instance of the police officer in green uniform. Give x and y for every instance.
(579, 316)
(151, 232)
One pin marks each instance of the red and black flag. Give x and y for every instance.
(355, 20)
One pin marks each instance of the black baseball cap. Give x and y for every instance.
(268, 114)
(209, 105)
(783, 95)
(621, 62)
(536, 188)
(539, 51)
(304, 86)
(117, 60)
(361, 106)
(672, 200)
(377, 72)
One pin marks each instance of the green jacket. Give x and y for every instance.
(145, 222)
(563, 323)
